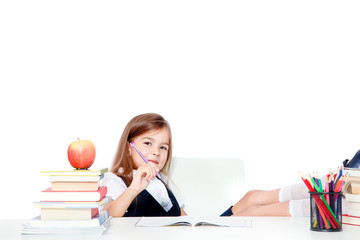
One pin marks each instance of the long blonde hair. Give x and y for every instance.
(137, 126)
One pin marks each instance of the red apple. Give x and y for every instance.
(81, 153)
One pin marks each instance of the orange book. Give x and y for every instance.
(73, 196)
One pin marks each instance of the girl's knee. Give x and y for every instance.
(263, 196)
(254, 194)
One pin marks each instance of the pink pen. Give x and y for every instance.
(132, 145)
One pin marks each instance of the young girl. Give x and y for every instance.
(136, 191)
(132, 183)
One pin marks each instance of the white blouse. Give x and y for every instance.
(116, 186)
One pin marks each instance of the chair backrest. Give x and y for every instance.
(208, 186)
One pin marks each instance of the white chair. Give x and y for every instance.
(208, 186)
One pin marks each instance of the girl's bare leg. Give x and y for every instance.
(274, 209)
(261, 203)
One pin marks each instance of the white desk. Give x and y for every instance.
(263, 228)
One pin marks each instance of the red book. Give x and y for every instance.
(73, 196)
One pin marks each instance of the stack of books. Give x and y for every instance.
(352, 195)
(72, 205)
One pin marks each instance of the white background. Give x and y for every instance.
(274, 83)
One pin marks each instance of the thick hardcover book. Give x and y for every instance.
(73, 196)
(68, 213)
(75, 186)
(66, 228)
(352, 197)
(95, 204)
(350, 220)
(94, 222)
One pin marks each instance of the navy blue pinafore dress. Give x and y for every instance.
(146, 205)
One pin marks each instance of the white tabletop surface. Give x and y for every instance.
(262, 228)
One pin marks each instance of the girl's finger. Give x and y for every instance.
(152, 173)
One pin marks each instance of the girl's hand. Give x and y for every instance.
(142, 178)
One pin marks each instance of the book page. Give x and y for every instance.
(194, 221)
(223, 221)
(164, 221)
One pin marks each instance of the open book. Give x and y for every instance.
(194, 221)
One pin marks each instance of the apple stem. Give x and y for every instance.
(78, 139)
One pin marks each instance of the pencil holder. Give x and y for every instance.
(326, 211)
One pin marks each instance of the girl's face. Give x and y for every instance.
(154, 145)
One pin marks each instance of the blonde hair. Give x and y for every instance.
(139, 125)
